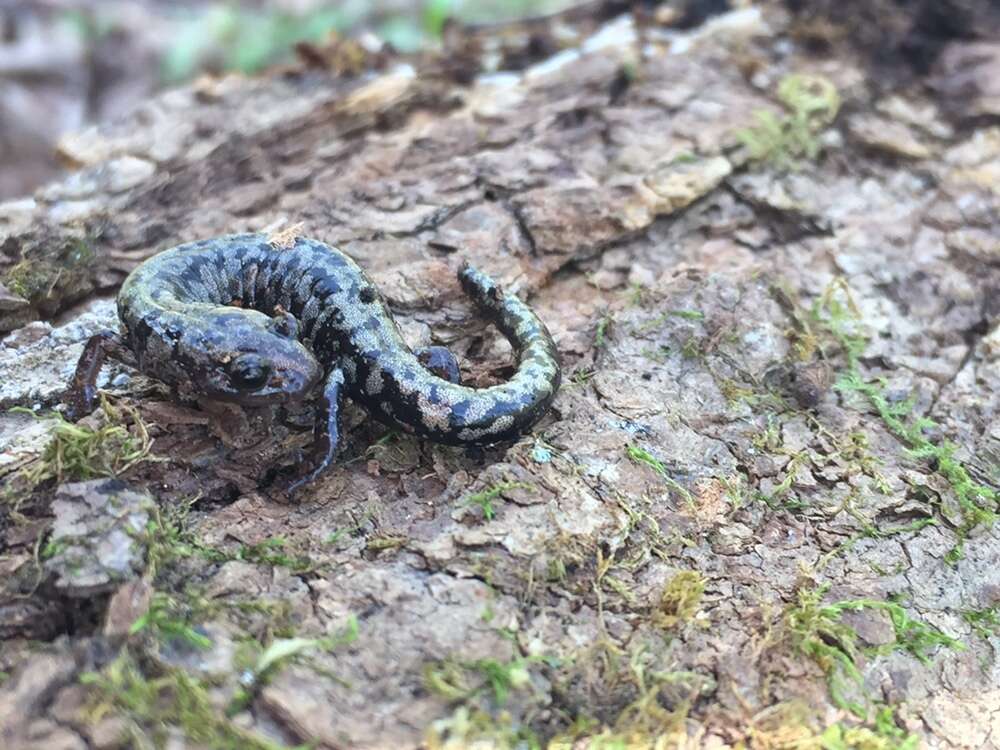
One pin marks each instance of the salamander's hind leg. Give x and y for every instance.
(327, 428)
(441, 362)
(82, 392)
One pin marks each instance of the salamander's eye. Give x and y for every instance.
(249, 371)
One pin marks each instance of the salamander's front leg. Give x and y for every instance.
(327, 428)
(82, 391)
(441, 362)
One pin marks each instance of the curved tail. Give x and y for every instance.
(404, 390)
(503, 411)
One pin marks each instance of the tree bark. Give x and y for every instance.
(761, 506)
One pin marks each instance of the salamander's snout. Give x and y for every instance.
(292, 373)
(298, 378)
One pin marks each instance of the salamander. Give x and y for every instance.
(239, 319)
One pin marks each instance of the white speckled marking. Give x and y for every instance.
(435, 416)
(374, 383)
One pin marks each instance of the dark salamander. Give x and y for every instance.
(239, 319)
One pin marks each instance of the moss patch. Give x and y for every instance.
(77, 452)
(680, 599)
(156, 705)
(811, 103)
(817, 631)
(836, 313)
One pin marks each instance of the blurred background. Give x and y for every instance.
(67, 63)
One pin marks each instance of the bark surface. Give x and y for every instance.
(759, 512)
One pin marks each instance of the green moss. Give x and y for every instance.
(816, 630)
(811, 104)
(503, 677)
(972, 497)
(600, 333)
(854, 448)
(555, 569)
(248, 39)
(641, 456)
(841, 320)
(691, 348)
(836, 313)
(850, 456)
(870, 531)
(792, 726)
(261, 663)
(278, 615)
(659, 355)
(274, 552)
(384, 542)
(769, 439)
(734, 393)
(76, 452)
(167, 620)
(36, 278)
(985, 622)
(643, 533)
(735, 488)
(270, 618)
(636, 294)
(53, 547)
(687, 314)
(472, 727)
(475, 686)
(484, 500)
(647, 720)
(644, 719)
(336, 537)
(680, 599)
(457, 680)
(29, 279)
(621, 588)
(156, 706)
(781, 496)
(168, 540)
(883, 735)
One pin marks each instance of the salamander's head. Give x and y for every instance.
(245, 357)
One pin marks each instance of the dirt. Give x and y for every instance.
(759, 513)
